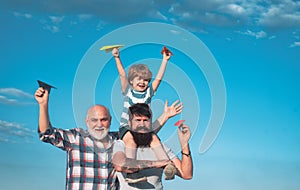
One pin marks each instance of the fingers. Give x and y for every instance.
(185, 129)
(177, 106)
(166, 104)
(166, 56)
(115, 52)
(40, 92)
(174, 103)
(41, 96)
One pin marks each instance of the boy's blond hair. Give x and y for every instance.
(139, 70)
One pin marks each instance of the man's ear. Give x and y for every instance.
(129, 123)
(86, 120)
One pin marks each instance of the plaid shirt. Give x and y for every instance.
(89, 164)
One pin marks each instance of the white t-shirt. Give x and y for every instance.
(153, 175)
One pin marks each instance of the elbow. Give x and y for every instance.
(118, 162)
(118, 168)
(187, 177)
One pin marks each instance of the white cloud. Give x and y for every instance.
(51, 28)
(83, 17)
(272, 37)
(282, 15)
(233, 9)
(257, 35)
(159, 15)
(56, 19)
(23, 15)
(13, 96)
(175, 32)
(295, 44)
(14, 132)
(5, 100)
(198, 15)
(15, 92)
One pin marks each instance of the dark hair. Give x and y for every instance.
(139, 109)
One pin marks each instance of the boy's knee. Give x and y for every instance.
(128, 140)
(155, 140)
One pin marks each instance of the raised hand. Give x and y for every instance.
(174, 109)
(41, 95)
(115, 52)
(184, 134)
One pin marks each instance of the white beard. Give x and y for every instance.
(99, 135)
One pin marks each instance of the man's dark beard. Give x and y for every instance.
(142, 139)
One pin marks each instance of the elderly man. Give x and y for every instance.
(89, 152)
(148, 175)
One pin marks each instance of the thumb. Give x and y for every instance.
(166, 103)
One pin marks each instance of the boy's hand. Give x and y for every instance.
(174, 109)
(166, 56)
(115, 52)
(166, 53)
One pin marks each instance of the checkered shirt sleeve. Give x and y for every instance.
(89, 163)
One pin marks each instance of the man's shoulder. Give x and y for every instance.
(114, 134)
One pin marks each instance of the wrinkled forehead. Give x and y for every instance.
(98, 112)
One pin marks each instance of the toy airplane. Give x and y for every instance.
(45, 86)
(111, 47)
(166, 50)
(179, 123)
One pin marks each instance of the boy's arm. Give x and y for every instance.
(121, 70)
(161, 71)
(42, 97)
(169, 111)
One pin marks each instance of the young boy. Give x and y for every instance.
(136, 88)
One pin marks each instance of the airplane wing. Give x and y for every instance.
(111, 47)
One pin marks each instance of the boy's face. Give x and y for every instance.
(139, 84)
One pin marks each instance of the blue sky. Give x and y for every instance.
(248, 62)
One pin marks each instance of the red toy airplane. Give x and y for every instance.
(166, 50)
(179, 123)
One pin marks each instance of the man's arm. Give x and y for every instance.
(121, 70)
(161, 71)
(123, 164)
(185, 165)
(42, 97)
(169, 111)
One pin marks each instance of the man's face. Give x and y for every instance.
(140, 124)
(98, 122)
(141, 130)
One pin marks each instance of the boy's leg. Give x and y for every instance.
(130, 151)
(158, 149)
(170, 170)
(130, 145)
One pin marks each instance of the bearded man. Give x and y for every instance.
(89, 152)
(146, 171)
